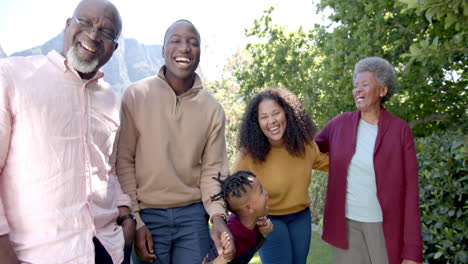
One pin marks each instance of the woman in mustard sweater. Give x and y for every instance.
(276, 143)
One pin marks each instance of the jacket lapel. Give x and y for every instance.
(382, 128)
(352, 132)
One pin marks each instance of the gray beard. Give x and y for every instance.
(79, 65)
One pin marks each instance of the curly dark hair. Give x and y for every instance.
(233, 185)
(300, 129)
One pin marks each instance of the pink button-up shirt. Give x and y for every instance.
(57, 187)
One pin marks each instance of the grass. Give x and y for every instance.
(319, 252)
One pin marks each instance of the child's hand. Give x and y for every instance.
(225, 244)
(265, 226)
(227, 250)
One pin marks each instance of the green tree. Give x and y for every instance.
(285, 59)
(446, 34)
(441, 47)
(227, 93)
(317, 65)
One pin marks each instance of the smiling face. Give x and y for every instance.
(368, 92)
(86, 49)
(272, 121)
(258, 198)
(181, 51)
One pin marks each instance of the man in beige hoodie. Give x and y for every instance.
(171, 145)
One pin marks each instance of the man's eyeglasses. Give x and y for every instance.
(103, 34)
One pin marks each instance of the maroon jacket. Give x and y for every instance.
(396, 174)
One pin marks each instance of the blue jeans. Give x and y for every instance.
(290, 240)
(180, 235)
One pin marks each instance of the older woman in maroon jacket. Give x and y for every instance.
(372, 207)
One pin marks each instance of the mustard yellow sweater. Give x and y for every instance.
(285, 177)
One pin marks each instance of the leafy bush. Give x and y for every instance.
(317, 191)
(443, 189)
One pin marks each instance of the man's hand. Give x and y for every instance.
(219, 227)
(265, 226)
(128, 226)
(144, 245)
(129, 230)
(407, 261)
(7, 254)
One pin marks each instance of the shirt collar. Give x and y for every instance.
(198, 84)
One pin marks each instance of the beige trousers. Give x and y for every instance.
(366, 245)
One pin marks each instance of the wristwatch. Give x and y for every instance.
(223, 216)
(120, 220)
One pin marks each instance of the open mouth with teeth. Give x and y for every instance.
(87, 47)
(274, 129)
(182, 60)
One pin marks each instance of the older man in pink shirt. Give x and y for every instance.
(60, 201)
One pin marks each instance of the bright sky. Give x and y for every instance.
(28, 23)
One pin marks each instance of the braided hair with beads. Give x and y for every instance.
(233, 185)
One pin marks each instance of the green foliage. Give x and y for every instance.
(443, 182)
(446, 35)
(227, 93)
(431, 90)
(286, 60)
(317, 65)
(317, 191)
(439, 53)
(320, 252)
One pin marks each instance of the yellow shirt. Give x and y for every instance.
(285, 177)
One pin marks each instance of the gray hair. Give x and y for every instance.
(384, 72)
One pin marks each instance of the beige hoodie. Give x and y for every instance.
(170, 146)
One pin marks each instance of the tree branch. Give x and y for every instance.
(400, 25)
(452, 50)
(427, 119)
(439, 4)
